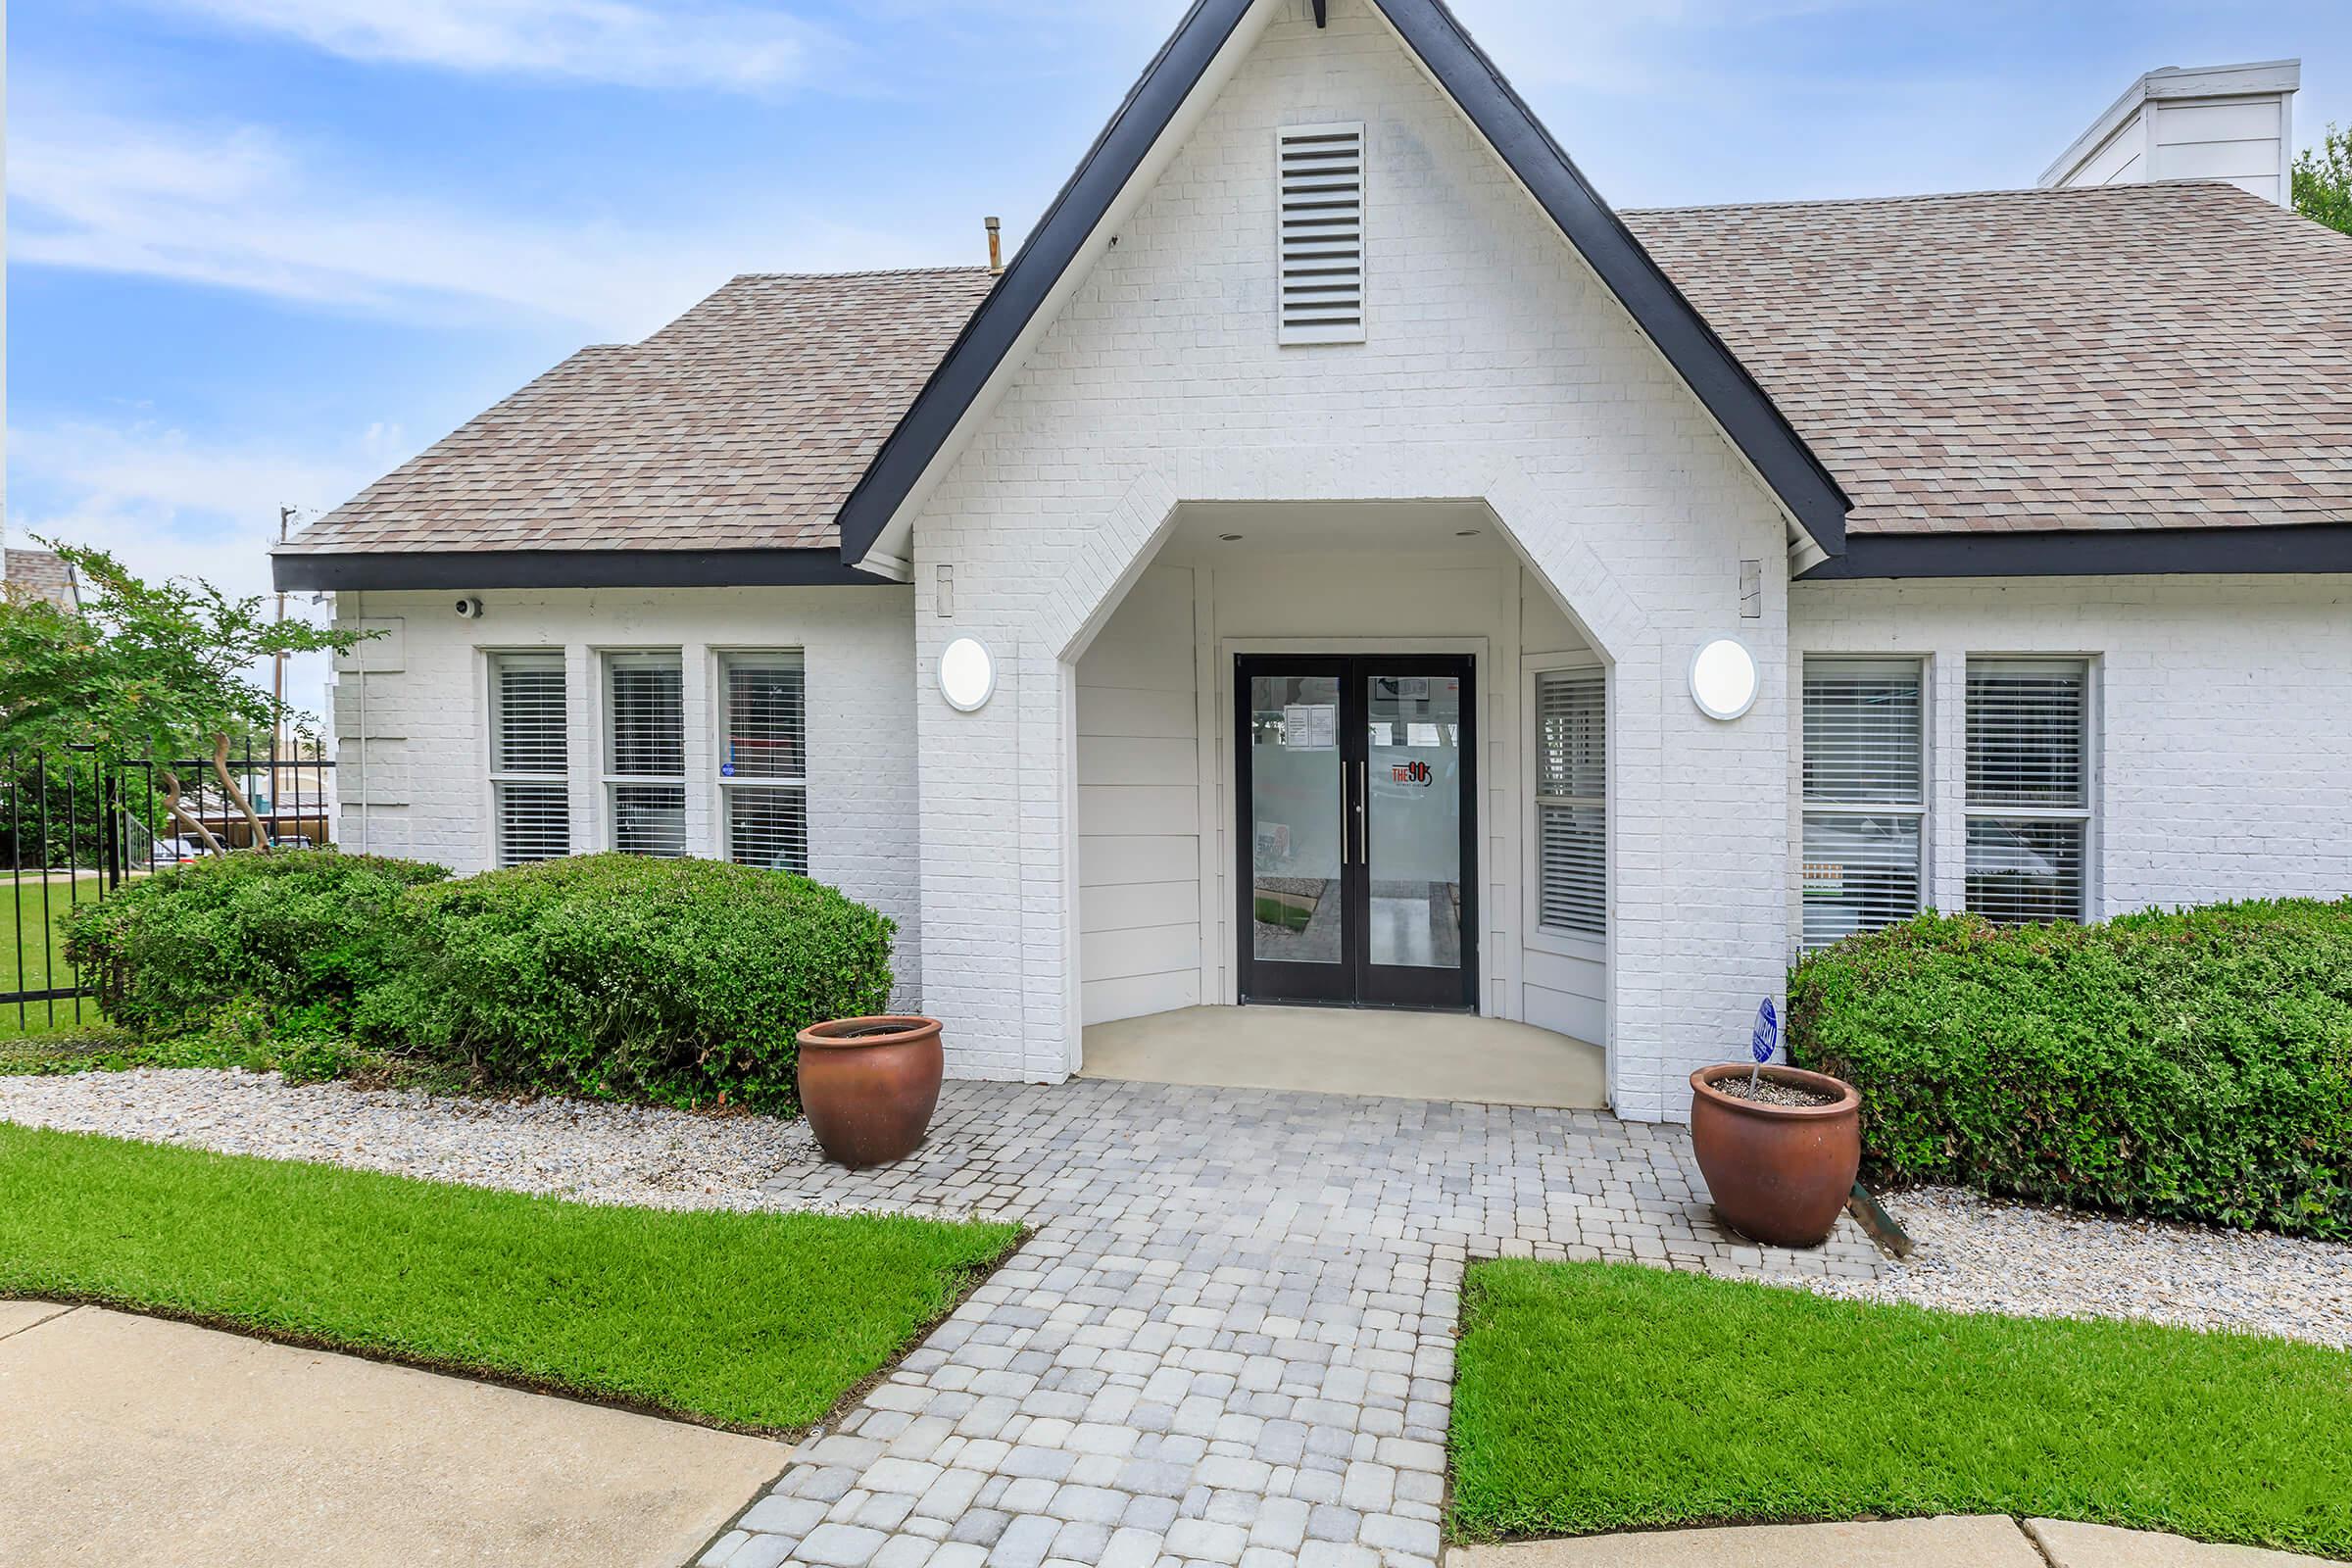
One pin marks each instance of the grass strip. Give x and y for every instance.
(760, 1322)
(1594, 1396)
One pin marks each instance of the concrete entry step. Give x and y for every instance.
(1352, 1051)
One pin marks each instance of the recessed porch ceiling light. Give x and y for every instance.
(1229, 538)
(1723, 679)
(967, 673)
(1466, 533)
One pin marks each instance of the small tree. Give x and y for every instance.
(2322, 184)
(146, 672)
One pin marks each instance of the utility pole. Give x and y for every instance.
(277, 691)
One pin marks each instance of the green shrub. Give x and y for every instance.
(296, 933)
(2192, 1065)
(681, 982)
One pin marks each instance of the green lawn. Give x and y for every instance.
(1593, 1396)
(31, 963)
(756, 1321)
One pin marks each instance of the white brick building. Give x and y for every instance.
(1342, 495)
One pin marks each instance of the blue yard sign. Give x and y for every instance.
(1767, 1037)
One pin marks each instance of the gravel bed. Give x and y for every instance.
(1974, 1255)
(1977, 1255)
(599, 1154)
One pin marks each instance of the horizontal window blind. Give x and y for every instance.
(1571, 801)
(763, 759)
(645, 752)
(2029, 789)
(534, 821)
(1865, 793)
(1320, 172)
(530, 759)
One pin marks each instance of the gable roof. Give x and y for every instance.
(2106, 359)
(742, 425)
(1429, 29)
(41, 574)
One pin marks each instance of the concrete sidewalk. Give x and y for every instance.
(1990, 1540)
(129, 1440)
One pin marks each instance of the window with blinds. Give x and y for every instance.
(2029, 789)
(1319, 170)
(530, 760)
(645, 752)
(1572, 769)
(1865, 795)
(763, 760)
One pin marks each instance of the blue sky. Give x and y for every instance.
(262, 250)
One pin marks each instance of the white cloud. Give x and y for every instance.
(168, 505)
(728, 47)
(238, 207)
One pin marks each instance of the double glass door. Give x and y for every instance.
(1358, 828)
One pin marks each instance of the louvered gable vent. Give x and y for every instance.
(1320, 169)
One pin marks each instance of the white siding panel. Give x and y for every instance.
(1133, 996)
(1125, 710)
(1145, 950)
(1127, 906)
(1578, 1017)
(1139, 804)
(1113, 860)
(1137, 761)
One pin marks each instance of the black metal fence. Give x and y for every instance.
(74, 829)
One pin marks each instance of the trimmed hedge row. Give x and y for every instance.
(2191, 1066)
(681, 982)
(678, 982)
(305, 930)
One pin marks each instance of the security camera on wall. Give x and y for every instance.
(470, 610)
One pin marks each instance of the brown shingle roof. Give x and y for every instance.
(42, 574)
(742, 424)
(2162, 355)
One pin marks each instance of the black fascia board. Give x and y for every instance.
(1713, 373)
(1746, 412)
(2313, 547)
(344, 571)
(1142, 116)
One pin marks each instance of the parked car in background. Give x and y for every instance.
(177, 850)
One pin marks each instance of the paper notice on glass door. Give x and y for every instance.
(1310, 726)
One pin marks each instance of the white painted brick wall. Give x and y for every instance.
(1496, 365)
(427, 723)
(2223, 751)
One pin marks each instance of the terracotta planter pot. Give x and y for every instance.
(1780, 1174)
(869, 1086)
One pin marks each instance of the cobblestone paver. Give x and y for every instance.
(1230, 1339)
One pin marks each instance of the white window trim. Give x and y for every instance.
(723, 787)
(1535, 933)
(2087, 813)
(493, 775)
(1922, 810)
(600, 737)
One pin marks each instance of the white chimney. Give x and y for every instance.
(2233, 123)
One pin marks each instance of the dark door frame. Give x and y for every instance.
(1355, 980)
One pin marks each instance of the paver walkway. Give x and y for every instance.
(1230, 1339)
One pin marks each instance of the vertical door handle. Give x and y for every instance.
(1364, 822)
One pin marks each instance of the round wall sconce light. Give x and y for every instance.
(1723, 679)
(967, 673)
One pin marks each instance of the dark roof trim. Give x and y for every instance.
(566, 568)
(1713, 373)
(2092, 553)
(1150, 108)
